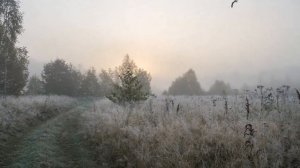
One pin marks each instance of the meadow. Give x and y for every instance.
(166, 131)
(202, 131)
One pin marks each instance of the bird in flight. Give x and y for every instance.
(235, 1)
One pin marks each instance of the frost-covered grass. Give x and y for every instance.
(19, 114)
(192, 132)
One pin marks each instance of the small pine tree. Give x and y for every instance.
(131, 84)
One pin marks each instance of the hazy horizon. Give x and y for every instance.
(254, 42)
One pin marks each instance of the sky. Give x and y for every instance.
(256, 42)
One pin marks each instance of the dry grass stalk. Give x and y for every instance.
(298, 93)
(247, 107)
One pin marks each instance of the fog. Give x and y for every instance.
(257, 41)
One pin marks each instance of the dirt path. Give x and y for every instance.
(55, 143)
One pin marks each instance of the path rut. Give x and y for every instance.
(55, 143)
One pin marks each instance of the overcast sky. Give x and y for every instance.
(257, 41)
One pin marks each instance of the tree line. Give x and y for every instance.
(61, 78)
(125, 83)
(187, 84)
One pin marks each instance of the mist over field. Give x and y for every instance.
(149, 84)
(256, 42)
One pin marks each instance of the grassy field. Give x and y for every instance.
(204, 131)
(196, 132)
